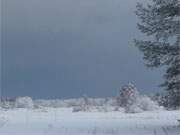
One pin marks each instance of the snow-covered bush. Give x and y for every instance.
(7, 105)
(77, 109)
(146, 104)
(111, 102)
(75, 102)
(24, 102)
(82, 108)
(134, 108)
(130, 99)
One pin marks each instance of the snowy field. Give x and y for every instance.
(63, 121)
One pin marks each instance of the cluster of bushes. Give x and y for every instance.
(20, 102)
(27, 102)
(129, 100)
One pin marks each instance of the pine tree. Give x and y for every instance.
(128, 95)
(160, 21)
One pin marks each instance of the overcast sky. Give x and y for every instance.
(67, 48)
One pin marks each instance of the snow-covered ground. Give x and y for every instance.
(63, 121)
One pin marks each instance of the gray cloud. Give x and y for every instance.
(65, 48)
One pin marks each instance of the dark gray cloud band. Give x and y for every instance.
(65, 48)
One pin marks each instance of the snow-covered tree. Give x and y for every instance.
(160, 21)
(133, 102)
(128, 95)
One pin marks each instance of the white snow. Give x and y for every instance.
(24, 102)
(62, 121)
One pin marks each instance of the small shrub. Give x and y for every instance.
(24, 102)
